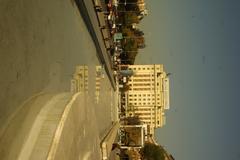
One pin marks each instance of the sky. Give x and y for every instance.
(198, 41)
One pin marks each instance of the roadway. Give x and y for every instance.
(41, 43)
(89, 15)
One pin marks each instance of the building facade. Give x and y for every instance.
(148, 95)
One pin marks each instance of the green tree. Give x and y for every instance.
(131, 17)
(152, 152)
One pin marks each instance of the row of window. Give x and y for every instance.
(143, 95)
(149, 103)
(143, 75)
(143, 109)
(145, 68)
(141, 80)
(143, 99)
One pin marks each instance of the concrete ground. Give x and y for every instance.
(41, 42)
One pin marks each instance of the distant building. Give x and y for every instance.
(148, 95)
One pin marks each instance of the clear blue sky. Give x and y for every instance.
(198, 41)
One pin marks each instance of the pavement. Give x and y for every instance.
(107, 142)
(41, 43)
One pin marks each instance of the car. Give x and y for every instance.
(97, 5)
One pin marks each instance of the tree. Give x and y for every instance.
(132, 120)
(138, 32)
(130, 18)
(125, 88)
(152, 152)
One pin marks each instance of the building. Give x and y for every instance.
(148, 95)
